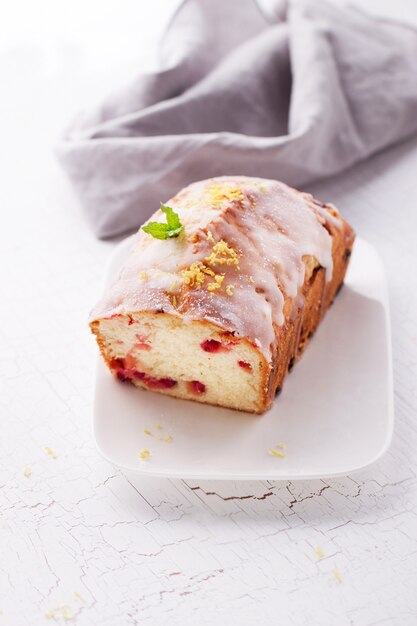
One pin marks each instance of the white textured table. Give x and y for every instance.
(84, 543)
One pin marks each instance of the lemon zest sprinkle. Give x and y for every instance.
(51, 453)
(144, 454)
(319, 552)
(229, 290)
(194, 276)
(276, 453)
(147, 432)
(222, 254)
(217, 194)
(219, 278)
(62, 610)
(337, 575)
(27, 472)
(78, 596)
(143, 276)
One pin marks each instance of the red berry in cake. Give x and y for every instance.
(197, 387)
(155, 383)
(244, 365)
(123, 376)
(143, 343)
(159, 383)
(212, 345)
(117, 364)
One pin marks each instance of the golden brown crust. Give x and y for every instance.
(294, 335)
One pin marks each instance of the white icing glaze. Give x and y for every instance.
(270, 226)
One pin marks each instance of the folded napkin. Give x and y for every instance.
(297, 98)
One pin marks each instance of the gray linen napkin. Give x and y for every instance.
(296, 99)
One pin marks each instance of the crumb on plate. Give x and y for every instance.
(61, 611)
(78, 596)
(277, 453)
(319, 552)
(144, 454)
(51, 453)
(337, 575)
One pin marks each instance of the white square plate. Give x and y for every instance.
(335, 413)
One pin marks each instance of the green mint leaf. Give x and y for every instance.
(173, 220)
(157, 230)
(161, 230)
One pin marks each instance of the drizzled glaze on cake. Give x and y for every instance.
(241, 254)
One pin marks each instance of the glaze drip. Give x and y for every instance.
(267, 228)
